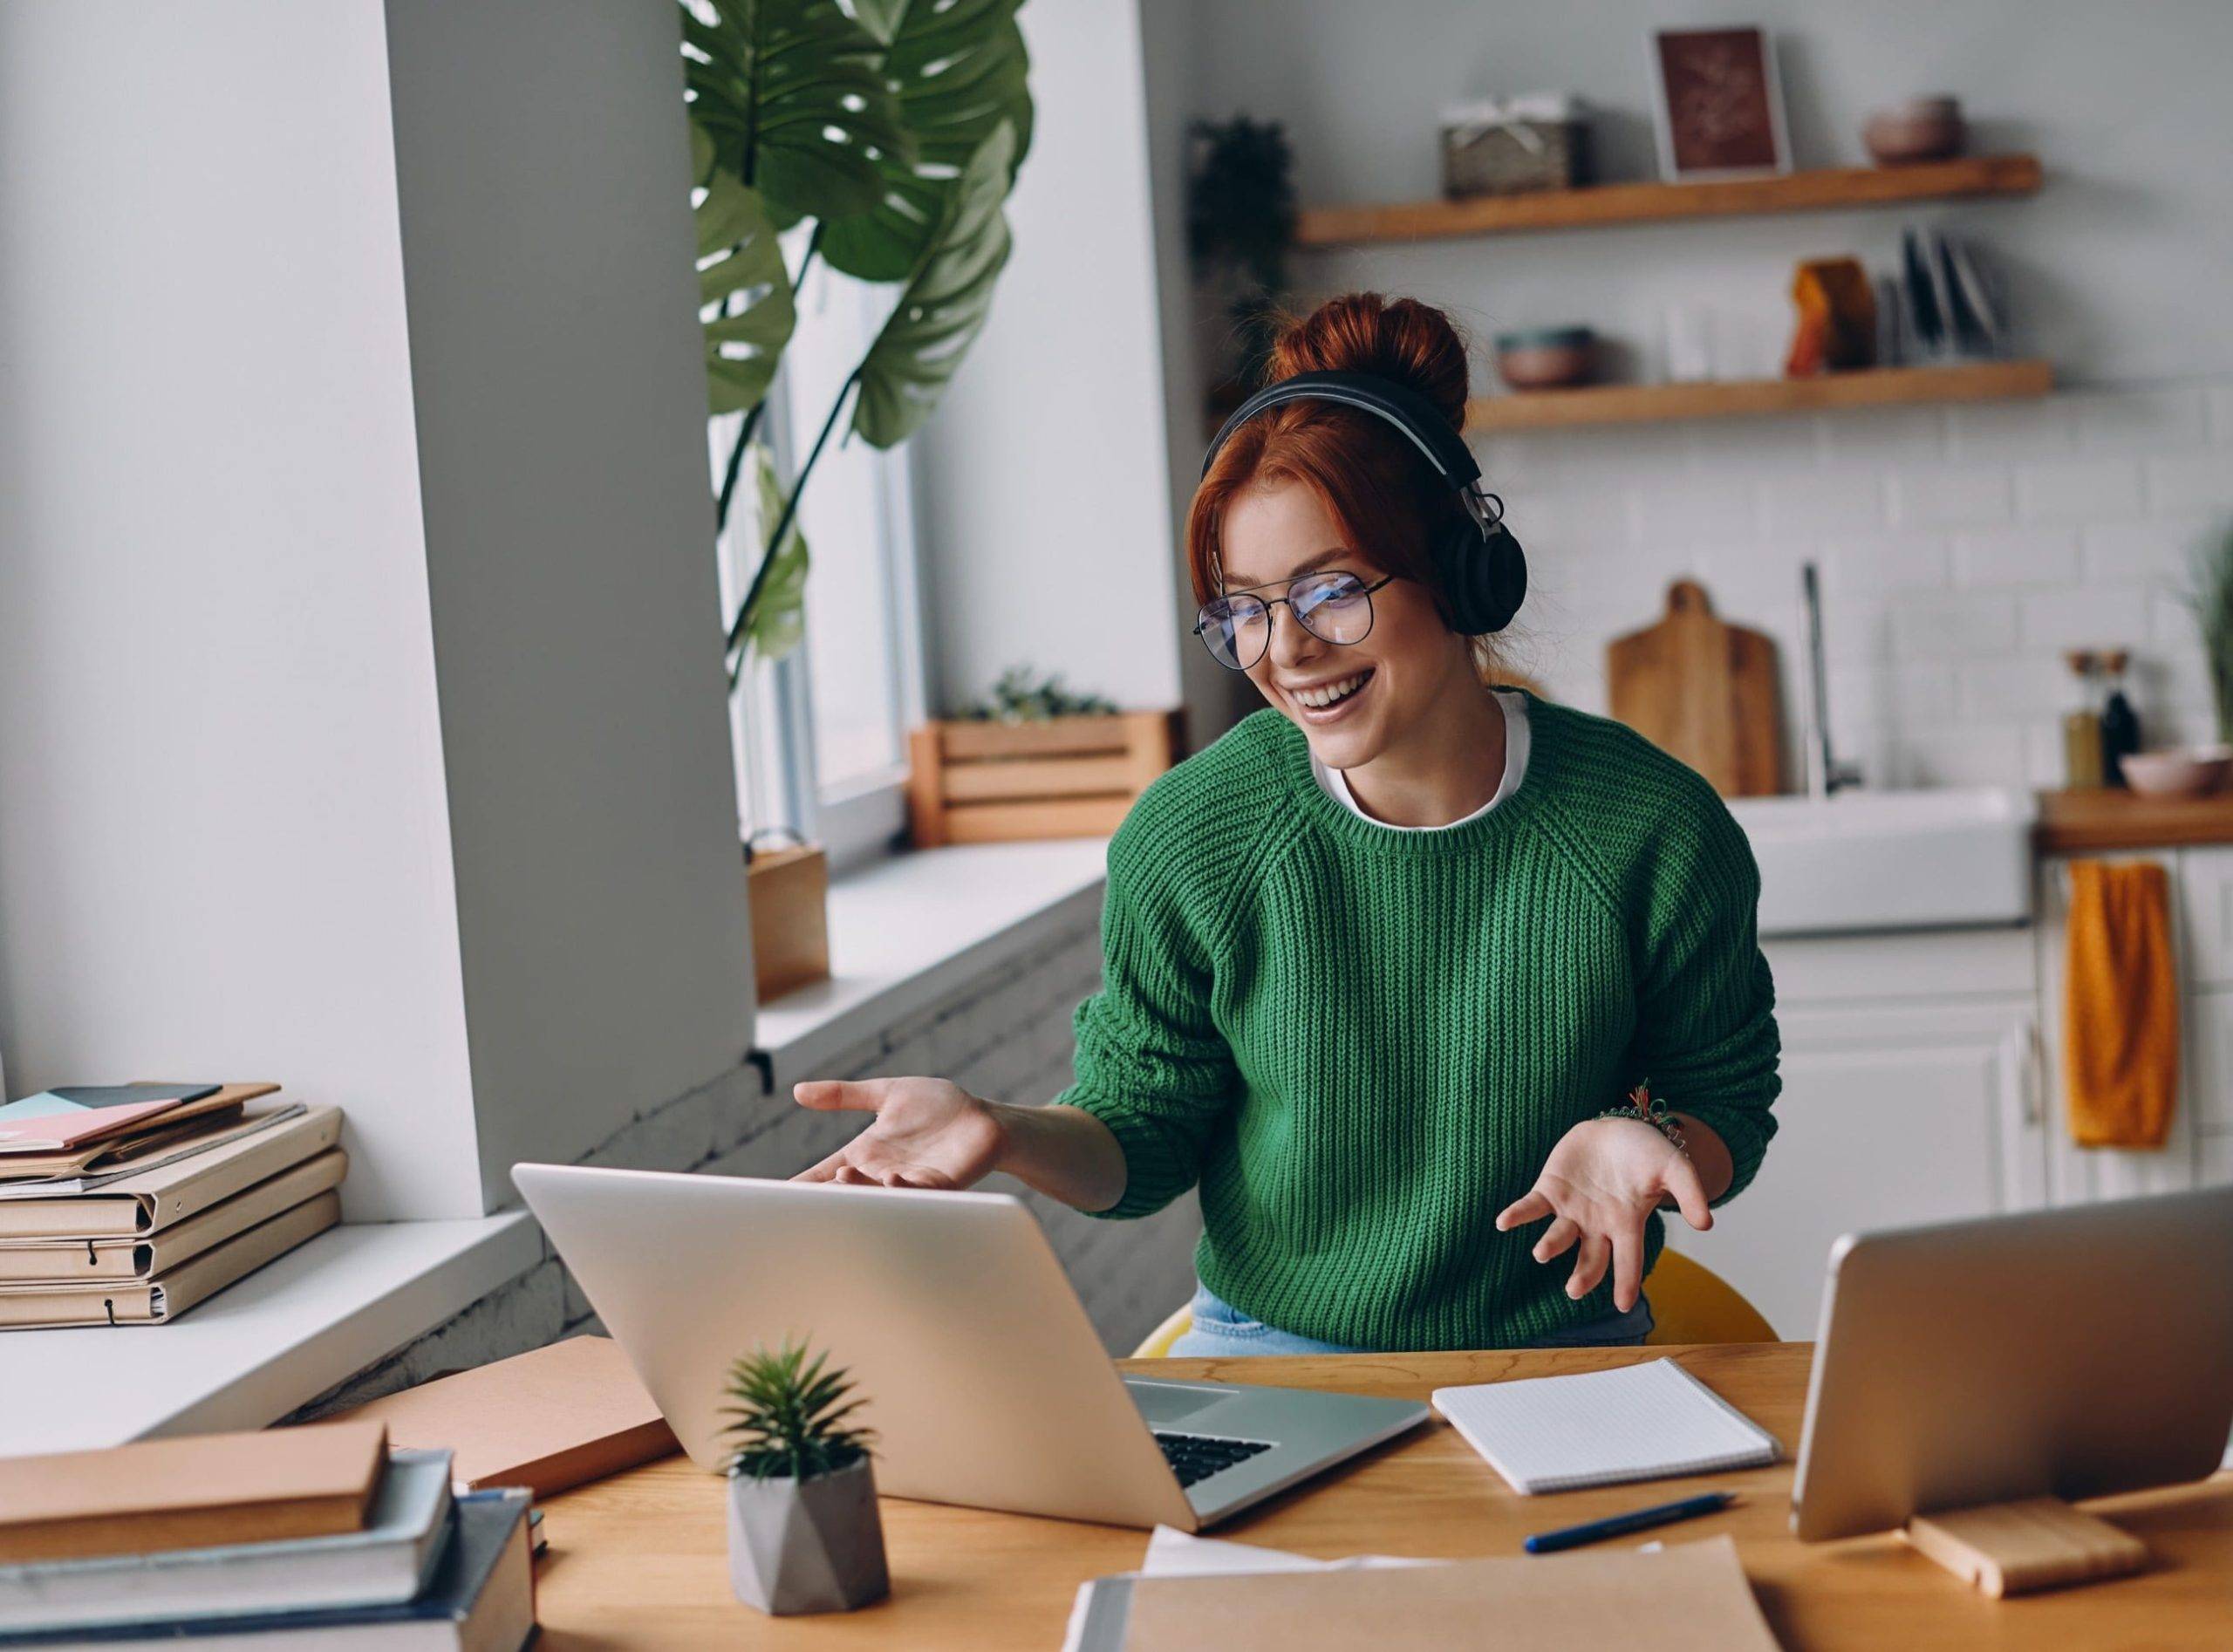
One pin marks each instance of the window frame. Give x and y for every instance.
(772, 727)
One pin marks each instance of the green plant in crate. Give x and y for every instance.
(1019, 696)
(895, 130)
(2211, 597)
(790, 1416)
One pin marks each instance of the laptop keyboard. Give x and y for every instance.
(1196, 1457)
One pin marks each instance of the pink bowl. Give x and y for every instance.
(2188, 772)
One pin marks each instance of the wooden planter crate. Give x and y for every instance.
(789, 899)
(990, 782)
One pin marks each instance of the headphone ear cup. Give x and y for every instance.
(1484, 580)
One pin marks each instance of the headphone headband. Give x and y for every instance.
(1400, 406)
(1479, 569)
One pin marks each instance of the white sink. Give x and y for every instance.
(1864, 860)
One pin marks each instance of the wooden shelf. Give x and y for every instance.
(1864, 387)
(2075, 822)
(1618, 203)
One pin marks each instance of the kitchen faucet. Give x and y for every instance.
(1825, 774)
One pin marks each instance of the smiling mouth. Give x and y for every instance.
(1325, 696)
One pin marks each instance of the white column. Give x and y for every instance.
(361, 714)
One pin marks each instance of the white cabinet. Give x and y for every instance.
(1923, 1081)
(1911, 1094)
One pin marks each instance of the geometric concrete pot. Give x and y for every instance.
(816, 1546)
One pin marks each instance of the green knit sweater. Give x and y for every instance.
(1363, 1043)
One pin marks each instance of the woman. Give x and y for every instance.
(1387, 965)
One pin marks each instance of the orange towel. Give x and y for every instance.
(2120, 1006)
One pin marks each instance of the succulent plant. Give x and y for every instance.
(790, 1416)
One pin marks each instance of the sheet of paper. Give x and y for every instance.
(1173, 1552)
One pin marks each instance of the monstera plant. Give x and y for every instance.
(891, 130)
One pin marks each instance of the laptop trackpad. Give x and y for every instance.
(1166, 1403)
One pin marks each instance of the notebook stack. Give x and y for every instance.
(127, 1205)
(315, 1537)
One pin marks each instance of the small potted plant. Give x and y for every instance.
(804, 1533)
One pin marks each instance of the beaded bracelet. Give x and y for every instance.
(1646, 1110)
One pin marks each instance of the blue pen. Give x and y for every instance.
(1573, 1537)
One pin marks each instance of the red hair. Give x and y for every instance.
(1386, 498)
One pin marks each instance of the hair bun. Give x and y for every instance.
(1412, 344)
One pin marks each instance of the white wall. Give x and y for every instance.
(1962, 549)
(1044, 505)
(224, 848)
(2114, 259)
(1214, 696)
(360, 723)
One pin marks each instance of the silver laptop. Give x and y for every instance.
(2068, 1353)
(984, 1382)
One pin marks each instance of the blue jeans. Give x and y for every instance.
(1221, 1331)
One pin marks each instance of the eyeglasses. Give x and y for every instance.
(1335, 608)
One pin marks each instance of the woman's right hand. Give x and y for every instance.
(928, 1132)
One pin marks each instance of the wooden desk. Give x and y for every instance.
(641, 1560)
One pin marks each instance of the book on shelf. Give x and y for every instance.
(190, 1492)
(71, 1116)
(164, 1296)
(481, 1598)
(386, 1563)
(145, 1197)
(70, 1260)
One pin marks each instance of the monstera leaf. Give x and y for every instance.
(791, 94)
(774, 610)
(957, 69)
(945, 303)
(744, 291)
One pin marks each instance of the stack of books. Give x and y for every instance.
(314, 1537)
(127, 1205)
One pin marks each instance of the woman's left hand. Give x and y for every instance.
(1602, 1180)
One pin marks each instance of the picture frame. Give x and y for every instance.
(1717, 104)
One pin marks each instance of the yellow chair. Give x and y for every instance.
(1690, 1303)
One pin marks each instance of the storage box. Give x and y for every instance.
(984, 783)
(788, 893)
(1517, 147)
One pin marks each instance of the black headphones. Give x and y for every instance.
(1480, 570)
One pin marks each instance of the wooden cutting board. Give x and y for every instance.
(1706, 691)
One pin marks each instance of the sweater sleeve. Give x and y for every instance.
(1706, 1036)
(1151, 1064)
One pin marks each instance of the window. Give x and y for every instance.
(820, 735)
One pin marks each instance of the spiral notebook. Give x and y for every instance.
(1645, 1421)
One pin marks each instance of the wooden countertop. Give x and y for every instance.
(2079, 821)
(641, 1560)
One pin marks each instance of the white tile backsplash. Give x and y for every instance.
(1948, 496)
(2159, 550)
(1957, 626)
(2079, 490)
(2012, 430)
(1963, 550)
(1860, 567)
(2082, 616)
(2165, 419)
(1837, 501)
(1986, 558)
(2201, 481)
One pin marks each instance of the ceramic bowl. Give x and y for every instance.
(1920, 129)
(1546, 358)
(2187, 772)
